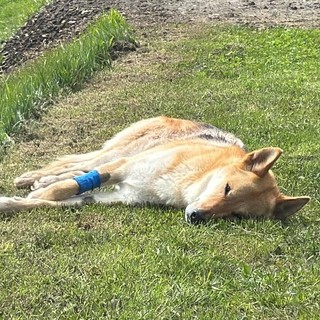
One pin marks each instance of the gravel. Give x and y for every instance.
(61, 20)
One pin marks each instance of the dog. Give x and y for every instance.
(165, 161)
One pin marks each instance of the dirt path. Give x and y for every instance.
(262, 13)
(63, 19)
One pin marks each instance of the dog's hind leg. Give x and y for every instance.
(66, 193)
(71, 165)
(139, 137)
(63, 170)
(107, 174)
(65, 164)
(16, 204)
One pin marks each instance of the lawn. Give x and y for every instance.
(14, 13)
(146, 263)
(26, 90)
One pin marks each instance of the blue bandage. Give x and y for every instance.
(88, 181)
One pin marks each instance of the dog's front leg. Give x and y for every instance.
(50, 179)
(16, 204)
(67, 164)
(61, 190)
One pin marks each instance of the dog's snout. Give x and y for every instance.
(195, 217)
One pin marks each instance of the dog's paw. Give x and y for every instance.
(21, 182)
(44, 182)
(27, 179)
(9, 204)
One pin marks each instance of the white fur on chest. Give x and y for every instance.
(150, 181)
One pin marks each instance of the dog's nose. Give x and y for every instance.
(195, 217)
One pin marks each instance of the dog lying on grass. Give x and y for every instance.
(165, 161)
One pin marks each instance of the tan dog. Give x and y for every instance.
(165, 161)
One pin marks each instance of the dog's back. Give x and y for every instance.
(148, 133)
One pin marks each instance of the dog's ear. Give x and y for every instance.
(287, 206)
(260, 161)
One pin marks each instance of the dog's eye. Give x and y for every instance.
(227, 189)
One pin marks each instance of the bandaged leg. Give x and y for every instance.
(106, 174)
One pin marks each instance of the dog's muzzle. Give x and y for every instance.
(194, 216)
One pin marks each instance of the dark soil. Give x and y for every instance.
(62, 19)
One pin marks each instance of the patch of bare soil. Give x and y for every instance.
(62, 19)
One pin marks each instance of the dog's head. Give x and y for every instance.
(246, 188)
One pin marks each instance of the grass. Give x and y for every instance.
(65, 68)
(14, 13)
(147, 263)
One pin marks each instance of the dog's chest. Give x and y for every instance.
(152, 185)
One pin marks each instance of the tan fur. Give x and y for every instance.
(172, 162)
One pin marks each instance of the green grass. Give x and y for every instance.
(147, 263)
(65, 68)
(14, 13)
